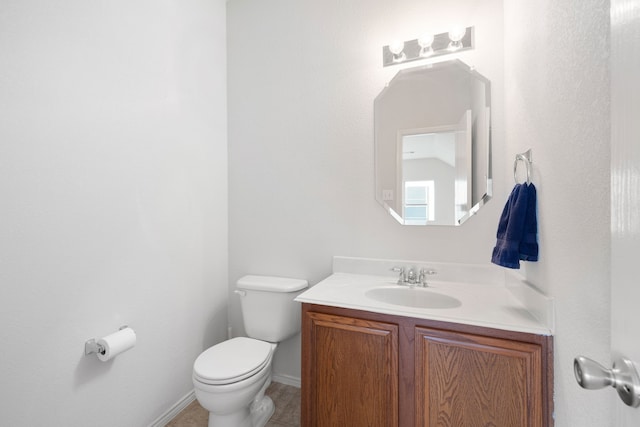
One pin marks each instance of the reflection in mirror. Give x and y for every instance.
(433, 144)
(436, 158)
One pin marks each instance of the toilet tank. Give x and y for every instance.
(268, 307)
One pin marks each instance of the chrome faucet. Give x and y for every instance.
(409, 278)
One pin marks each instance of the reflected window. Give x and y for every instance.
(419, 202)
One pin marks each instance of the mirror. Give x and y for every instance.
(433, 144)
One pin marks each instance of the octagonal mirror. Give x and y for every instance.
(433, 144)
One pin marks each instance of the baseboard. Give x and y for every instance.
(286, 379)
(172, 412)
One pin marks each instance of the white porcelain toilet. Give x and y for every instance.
(230, 378)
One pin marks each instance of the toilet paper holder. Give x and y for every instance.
(91, 346)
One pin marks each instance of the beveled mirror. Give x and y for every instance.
(433, 144)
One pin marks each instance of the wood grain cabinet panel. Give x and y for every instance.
(364, 369)
(353, 372)
(470, 380)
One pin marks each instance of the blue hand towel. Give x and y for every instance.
(529, 244)
(511, 228)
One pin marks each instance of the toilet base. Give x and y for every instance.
(260, 413)
(257, 416)
(238, 419)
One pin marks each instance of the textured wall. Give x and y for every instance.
(302, 80)
(113, 181)
(557, 98)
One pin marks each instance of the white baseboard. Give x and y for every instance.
(286, 379)
(172, 412)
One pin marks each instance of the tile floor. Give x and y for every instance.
(287, 414)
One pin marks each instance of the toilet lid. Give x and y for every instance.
(232, 361)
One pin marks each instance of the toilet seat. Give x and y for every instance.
(232, 361)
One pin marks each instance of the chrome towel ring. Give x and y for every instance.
(526, 158)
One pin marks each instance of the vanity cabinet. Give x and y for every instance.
(367, 369)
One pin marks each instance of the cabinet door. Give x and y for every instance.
(475, 381)
(353, 372)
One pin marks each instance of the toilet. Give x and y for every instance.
(230, 378)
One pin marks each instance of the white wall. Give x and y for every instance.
(557, 98)
(113, 181)
(302, 80)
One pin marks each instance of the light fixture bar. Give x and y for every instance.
(440, 46)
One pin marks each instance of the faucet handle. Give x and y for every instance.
(400, 270)
(423, 275)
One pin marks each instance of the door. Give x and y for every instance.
(625, 220)
(464, 161)
(625, 191)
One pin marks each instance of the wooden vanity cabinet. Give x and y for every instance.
(368, 369)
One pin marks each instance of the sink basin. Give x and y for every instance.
(412, 297)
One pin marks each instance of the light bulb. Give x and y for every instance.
(425, 41)
(455, 35)
(396, 47)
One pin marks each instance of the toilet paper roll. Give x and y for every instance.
(116, 343)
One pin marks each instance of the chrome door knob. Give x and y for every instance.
(623, 377)
(592, 375)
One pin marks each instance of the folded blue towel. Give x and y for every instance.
(517, 229)
(529, 244)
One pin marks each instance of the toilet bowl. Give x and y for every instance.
(230, 378)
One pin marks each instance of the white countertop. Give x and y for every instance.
(483, 304)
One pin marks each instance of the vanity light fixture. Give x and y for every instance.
(428, 45)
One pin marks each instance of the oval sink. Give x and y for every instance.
(412, 297)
